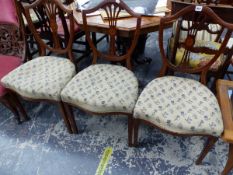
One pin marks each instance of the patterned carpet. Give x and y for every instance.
(42, 146)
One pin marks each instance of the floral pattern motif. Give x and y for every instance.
(103, 88)
(180, 105)
(40, 78)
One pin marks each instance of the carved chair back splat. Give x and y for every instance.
(112, 9)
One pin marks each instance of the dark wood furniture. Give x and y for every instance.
(208, 2)
(210, 34)
(126, 29)
(180, 106)
(40, 20)
(108, 90)
(42, 78)
(12, 54)
(227, 16)
(125, 25)
(225, 97)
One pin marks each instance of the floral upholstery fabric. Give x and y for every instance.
(40, 78)
(180, 105)
(103, 88)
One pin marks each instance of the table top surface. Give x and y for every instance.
(125, 25)
(224, 93)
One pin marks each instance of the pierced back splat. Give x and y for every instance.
(54, 28)
(112, 8)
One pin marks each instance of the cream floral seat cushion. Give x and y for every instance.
(180, 105)
(40, 78)
(103, 88)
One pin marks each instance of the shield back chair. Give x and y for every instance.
(43, 78)
(210, 35)
(105, 89)
(12, 54)
(178, 105)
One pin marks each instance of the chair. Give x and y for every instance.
(179, 105)
(12, 52)
(43, 78)
(102, 88)
(209, 35)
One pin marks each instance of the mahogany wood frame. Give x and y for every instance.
(111, 55)
(215, 2)
(186, 69)
(96, 24)
(218, 7)
(227, 114)
(53, 6)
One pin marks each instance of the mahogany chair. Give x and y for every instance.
(12, 53)
(105, 89)
(178, 105)
(43, 78)
(209, 35)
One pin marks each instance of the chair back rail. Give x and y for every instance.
(112, 8)
(198, 18)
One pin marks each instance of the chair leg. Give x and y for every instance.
(130, 130)
(71, 119)
(229, 164)
(64, 115)
(17, 103)
(209, 144)
(136, 123)
(6, 102)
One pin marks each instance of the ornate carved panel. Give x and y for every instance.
(11, 42)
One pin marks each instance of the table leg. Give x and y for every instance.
(124, 43)
(229, 164)
(139, 50)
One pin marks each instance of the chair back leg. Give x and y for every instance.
(209, 144)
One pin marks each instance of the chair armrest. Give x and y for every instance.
(226, 107)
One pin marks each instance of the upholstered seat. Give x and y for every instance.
(103, 88)
(8, 63)
(41, 78)
(181, 106)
